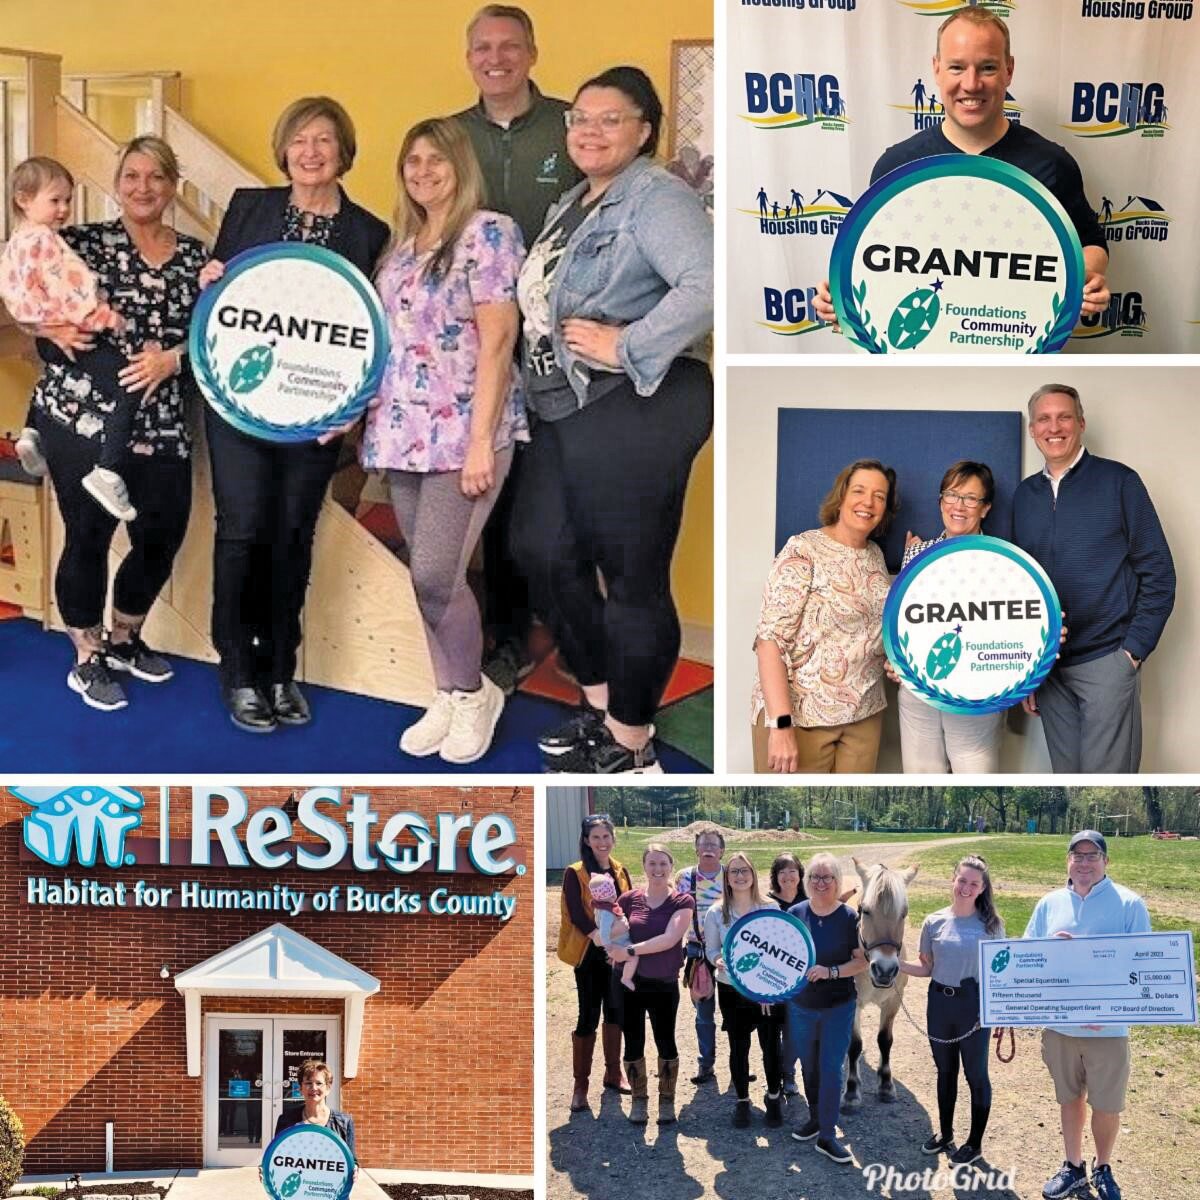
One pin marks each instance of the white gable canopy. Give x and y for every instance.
(277, 962)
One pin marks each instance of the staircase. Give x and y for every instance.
(362, 628)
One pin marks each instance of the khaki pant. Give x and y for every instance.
(827, 750)
(1097, 1067)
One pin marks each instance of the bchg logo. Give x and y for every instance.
(1138, 10)
(790, 312)
(1125, 316)
(1138, 219)
(1107, 109)
(823, 214)
(946, 8)
(783, 101)
(928, 111)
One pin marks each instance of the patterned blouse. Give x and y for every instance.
(914, 548)
(823, 607)
(423, 421)
(157, 304)
(44, 282)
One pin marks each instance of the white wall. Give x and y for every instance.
(1146, 417)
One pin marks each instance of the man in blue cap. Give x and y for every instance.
(1088, 1063)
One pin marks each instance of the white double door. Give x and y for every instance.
(252, 1075)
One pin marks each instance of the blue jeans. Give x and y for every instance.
(706, 1031)
(821, 1037)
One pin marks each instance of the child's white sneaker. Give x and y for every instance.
(107, 488)
(29, 453)
(472, 722)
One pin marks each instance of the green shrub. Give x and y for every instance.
(12, 1146)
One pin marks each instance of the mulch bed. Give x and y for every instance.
(125, 1188)
(451, 1191)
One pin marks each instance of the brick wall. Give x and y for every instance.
(93, 1034)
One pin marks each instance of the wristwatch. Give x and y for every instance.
(834, 973)
(780, 722)
(632, 950)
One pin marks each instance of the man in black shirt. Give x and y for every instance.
(974, 67)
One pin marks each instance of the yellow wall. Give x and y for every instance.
(391, 62)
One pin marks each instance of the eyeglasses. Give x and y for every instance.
(823, 880)
(610, 121)
(1086, 858)
(738, 872)
(966, 501)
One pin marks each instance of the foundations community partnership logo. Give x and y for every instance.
(1138, 219)
(927, 111)
(798, 215)
(1125, 316)
(1107, 109)
(1138, 10)
(796, 101)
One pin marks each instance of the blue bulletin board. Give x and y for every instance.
(814, 444)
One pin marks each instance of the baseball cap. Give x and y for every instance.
(1089, 835)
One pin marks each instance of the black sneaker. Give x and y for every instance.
(1069, 1180)
(704, 1075)
(603, 755)
(965, 1154)
(579, 728)
(135, 657)
(95, 686)
(832, 1148)
(935, 1144)
(808, 1130)
(508, 664)
(1104, 1183)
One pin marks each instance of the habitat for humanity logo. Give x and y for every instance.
(927, 110)
(783, 101)
(789, 312)
(1138, 10)
(820, 215)
(946, 8)
(80, 819)
(1138, 219)
(1125, 316)
(1107, 109)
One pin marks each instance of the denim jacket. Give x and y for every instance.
(645, 261)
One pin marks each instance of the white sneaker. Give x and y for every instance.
(425, 736)
(107, 488)
(472, 722)
(29, 453)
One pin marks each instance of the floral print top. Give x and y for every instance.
(157, 304)
(423, 420)
(44, 282)
(823, 607)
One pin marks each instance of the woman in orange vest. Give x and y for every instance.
(579, 945)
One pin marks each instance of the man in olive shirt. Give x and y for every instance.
(520, 139)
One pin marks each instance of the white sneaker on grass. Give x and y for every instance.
(426, 735)
(107, 488)
(473, 720)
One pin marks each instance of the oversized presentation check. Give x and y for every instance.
(1128, 979)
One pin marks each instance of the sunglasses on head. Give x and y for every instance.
(596, 819)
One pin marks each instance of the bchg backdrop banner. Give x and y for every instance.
(818, 89)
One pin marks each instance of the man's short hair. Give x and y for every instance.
(710, 831)
(976, 16)
(504, 12)
(1056, 389)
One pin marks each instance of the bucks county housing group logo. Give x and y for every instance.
(1125, 316)
(796, 101)
(1107, 109)
(1138, 10)
(926, 110)
(789, 312)
(947, 8)
(796, 215)
(830, 5)
(1139, 219)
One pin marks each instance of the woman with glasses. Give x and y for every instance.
(658, 917)
(933, 742)
(821, 1014)
(579, 945)
(616, 293)
(742, 1018)
(949, 957)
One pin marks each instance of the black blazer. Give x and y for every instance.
(255, 217)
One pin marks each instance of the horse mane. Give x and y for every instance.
(886, 888)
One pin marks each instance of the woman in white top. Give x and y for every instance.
(740, 1018)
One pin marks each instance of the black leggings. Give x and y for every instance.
(741, 1018)
(594, 987)
(160, 488)
(103, 363)
(603, 490)
(951, 1017)
(657, 999)
(268, 496)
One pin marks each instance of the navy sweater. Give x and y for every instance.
(1103, 547)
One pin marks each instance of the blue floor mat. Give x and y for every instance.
(182, 727)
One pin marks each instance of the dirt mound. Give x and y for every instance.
(741, 836)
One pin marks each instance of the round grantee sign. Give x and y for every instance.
(972, 625)
(308, 1162)
(958, 252)
(289, 343)
(767, 955)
